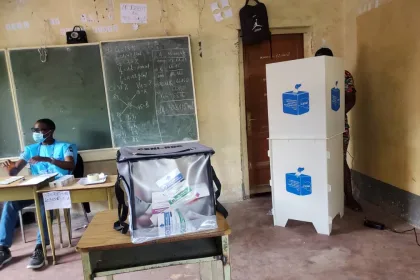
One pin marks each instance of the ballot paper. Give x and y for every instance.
(38, 179)
(10, 180)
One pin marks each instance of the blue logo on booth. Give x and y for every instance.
(296, 102)
(335, 97)
(298, 183)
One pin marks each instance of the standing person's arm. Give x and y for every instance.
(350, 92)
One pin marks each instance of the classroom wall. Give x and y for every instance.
(215, 47)
(384, 133)
(382, 49)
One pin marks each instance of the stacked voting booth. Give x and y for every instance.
(306, 121)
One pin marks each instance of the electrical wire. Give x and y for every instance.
(390, 229)
(405, 231)
(43, 53)
(162, 10)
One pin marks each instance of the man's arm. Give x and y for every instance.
(350, 92)
(66, 164)
(350, 100)
(13, 168)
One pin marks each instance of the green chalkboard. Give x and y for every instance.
(9, 139)
(150, 90)
(68, 88)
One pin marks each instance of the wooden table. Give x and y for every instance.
(15, 192)
(78, 194)
(106, 252)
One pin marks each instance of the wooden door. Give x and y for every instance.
(284, 47)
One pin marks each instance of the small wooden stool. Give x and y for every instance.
(106, 252)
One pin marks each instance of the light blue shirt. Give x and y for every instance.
(57, 150)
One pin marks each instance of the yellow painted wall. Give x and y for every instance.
(383, 51)
(216, 73)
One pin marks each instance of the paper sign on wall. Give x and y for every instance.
(54, 21)
(105, 29)
(133, 13)
(17, 26)
(110, 9)
(57, 200)
(222, 12)
(64, 30)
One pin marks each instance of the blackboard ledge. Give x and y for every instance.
(99, 154)
(111, 153)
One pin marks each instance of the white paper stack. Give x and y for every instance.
(10, 180)
(63, 181)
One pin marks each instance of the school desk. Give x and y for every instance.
(78, 194)
(14, 191)
(106, 252)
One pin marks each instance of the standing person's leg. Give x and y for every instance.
(7, 227)
(348, 189)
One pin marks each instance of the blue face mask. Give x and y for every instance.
(39, 137)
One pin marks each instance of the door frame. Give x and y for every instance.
(307, 51)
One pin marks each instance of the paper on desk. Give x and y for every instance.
(10, 180)
(57, 200)
(38, 179)
(84, 181)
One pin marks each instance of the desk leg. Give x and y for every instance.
(67, 219)
(206, 272)
(87, 269)
(226, 257)
(57, 213)
(211, 270)
(40, 226)
(50, 234)
(109, 193)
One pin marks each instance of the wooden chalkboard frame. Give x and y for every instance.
(11, 84)
(192, 77)
(91, 153)
(94, 154)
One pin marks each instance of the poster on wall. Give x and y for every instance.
(296, 102)
(133, 13)
(299, 183)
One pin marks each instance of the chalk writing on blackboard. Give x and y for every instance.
(150, 91)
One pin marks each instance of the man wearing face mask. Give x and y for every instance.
(46, 156)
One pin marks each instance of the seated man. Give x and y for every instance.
(45, 156)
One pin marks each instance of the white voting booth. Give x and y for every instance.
(306, 121)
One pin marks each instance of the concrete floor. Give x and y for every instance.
(261, 251)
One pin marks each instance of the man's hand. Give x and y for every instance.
(10, 167)
(37, 159)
